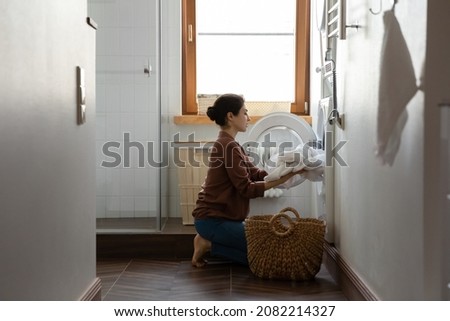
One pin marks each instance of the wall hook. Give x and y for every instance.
(394, 2)
(354, 25)
(380, 8)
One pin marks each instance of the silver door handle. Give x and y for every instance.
(148, 69)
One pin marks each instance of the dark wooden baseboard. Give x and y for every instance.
(156, 246)
(352, 286)
(94, 293)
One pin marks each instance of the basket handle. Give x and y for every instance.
(278, 216)
(291, 209)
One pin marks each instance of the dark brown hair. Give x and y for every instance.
(222, 106)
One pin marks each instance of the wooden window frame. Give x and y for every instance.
(189, 66)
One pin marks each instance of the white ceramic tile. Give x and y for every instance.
(100, 98)
(100, 126)
(113, 181)
(101, 181)
(100, 68)
(127, 71)
(100, 207)
(142, 40)
(165, 127)
(111, 41)
(141, 206)
(165, 157)
(111, 153)
(174, 13)
(110, 13)
(173, 181)
(153, 158)
(127, 98)
(153, 34)
(124, 70)
(141, 62)
(164, 93)
(112, 93)
(126, 42)
(165, 11)
(153, 132)
(165, 44)
(174, 105)
(141, 98)
(262, 206)
(302, 205)
(154, 201)
(113, 132)
(153, 175)
(141, 13)
(255, 207)
(141, 182)
(164, 189)
(304, 189)
(101, 45)
(96, 11)
(126, 182)
(112, 207)
(113, 70)
(141, 126)
(153, 8)
(174, 43)
(100, 156)
(138, 154)
(174, 206)
(127, 125)
(165, 212)
(174, 73)
(153, 90)
(127, 207)
(126, 13)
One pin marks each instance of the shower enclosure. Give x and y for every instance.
(130, 169)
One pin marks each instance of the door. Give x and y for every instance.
(128, 114)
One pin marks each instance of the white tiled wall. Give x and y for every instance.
(125, 104)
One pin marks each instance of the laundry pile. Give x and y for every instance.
(305, 157)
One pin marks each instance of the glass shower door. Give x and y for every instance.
(128, 115)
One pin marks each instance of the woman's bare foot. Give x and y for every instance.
(201, 247)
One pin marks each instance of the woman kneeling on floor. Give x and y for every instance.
(232, 180)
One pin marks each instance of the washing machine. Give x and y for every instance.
(275, 132)
(285, 131)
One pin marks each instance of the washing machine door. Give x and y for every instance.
(278, 132)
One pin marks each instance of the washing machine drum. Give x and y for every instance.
(277, 132)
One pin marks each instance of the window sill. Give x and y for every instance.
(204, 120)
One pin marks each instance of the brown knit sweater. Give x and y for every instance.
(232, 180)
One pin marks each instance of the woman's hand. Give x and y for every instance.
(299, 172)
(282, 179)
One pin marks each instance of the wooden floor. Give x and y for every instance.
(168, 280)
(147, 275)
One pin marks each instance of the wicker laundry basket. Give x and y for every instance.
(192, 171)
(291, 251)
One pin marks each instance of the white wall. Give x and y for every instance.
(47, 163)
(380, 207)
(384, 230)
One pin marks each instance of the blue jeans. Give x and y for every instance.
(227, 238)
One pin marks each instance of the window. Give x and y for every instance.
(254, 48)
